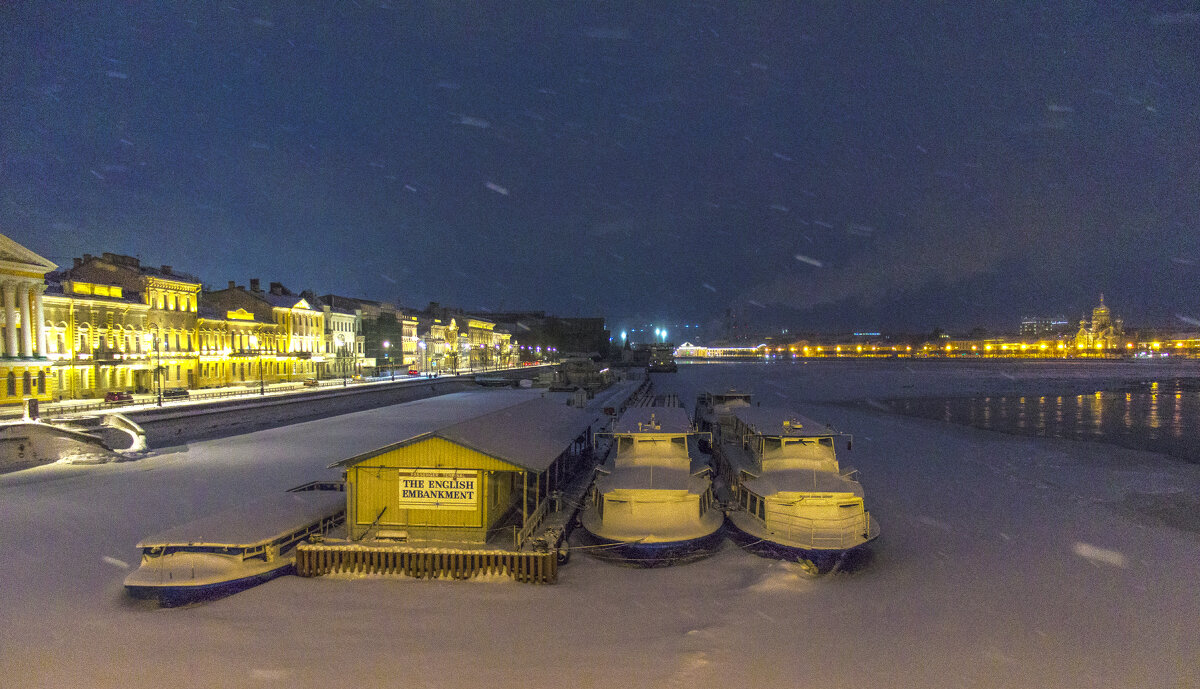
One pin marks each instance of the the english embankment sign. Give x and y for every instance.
(439, 490)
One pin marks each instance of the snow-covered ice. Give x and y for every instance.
(1005, 561)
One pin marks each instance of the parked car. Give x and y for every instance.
(413, 372)
(175, 393)
(115, 397)
(312, 383)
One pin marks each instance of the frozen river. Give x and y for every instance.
(1005, 561)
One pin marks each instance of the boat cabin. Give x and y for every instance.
(776, 439)
(651, 481)
(713, 409)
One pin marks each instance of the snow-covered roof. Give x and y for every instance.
(253, 523)
(781, 421)
(652, 478)
(802, 481)
(530, 435)
(654, 419)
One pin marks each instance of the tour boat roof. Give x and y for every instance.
(727, 395)
(669, 420)
(782, 422)
(253, 523)
(652, 478)
(802, 481)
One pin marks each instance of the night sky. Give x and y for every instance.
(819, 166)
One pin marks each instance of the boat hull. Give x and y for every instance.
(174, 595)
(647, 555)
(814, 560)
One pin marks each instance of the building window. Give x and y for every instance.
(26, 384)
(41, 383)
(12, 384)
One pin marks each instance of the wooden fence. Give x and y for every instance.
(314, 560)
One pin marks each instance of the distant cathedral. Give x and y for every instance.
(1104, 331)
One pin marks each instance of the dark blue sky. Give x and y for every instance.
(822, 166)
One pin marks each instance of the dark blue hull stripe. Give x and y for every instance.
(652, 554)
(824, 560)
(172, 596)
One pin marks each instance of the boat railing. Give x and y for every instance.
(844, 532)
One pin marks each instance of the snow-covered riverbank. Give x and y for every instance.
(1004, 562)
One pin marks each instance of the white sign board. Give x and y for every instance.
(439, 490)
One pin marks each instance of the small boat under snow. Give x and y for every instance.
(788, 498)
(652, 502)
(233, 550)
(714, 409)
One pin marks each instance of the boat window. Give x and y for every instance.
(762, 509)
(827, 442)
(771, 444)
(624, 444)
(680, 443)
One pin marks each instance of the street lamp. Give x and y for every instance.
(147, 339)
(387, 345)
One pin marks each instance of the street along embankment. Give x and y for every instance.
(185, 423)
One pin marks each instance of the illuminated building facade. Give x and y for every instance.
(343, 341)
(1102, 335)
(118, 325)
(291, 349)
(25, 367)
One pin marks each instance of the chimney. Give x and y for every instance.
(254, 285)
(166, 269)
(87, 257)
(232, 284)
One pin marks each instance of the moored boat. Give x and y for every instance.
(652, 502)
(233, 550)
(714, 408)
(787, 497)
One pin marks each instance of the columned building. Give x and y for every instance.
(25, 368)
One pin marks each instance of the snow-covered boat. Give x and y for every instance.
(787, 497)
(714, 408)
(233, 550)
(652, 502)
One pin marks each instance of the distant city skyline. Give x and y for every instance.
(850, 167)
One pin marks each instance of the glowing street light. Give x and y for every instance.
(386, 346)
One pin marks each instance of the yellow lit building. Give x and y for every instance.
(479, 343)
(25, 367)
(1103, 335)
(114, 324)
(237, 348)
(292, 349)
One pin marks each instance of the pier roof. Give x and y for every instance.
(530, 435)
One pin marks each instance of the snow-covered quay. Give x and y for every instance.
(1005, 561)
